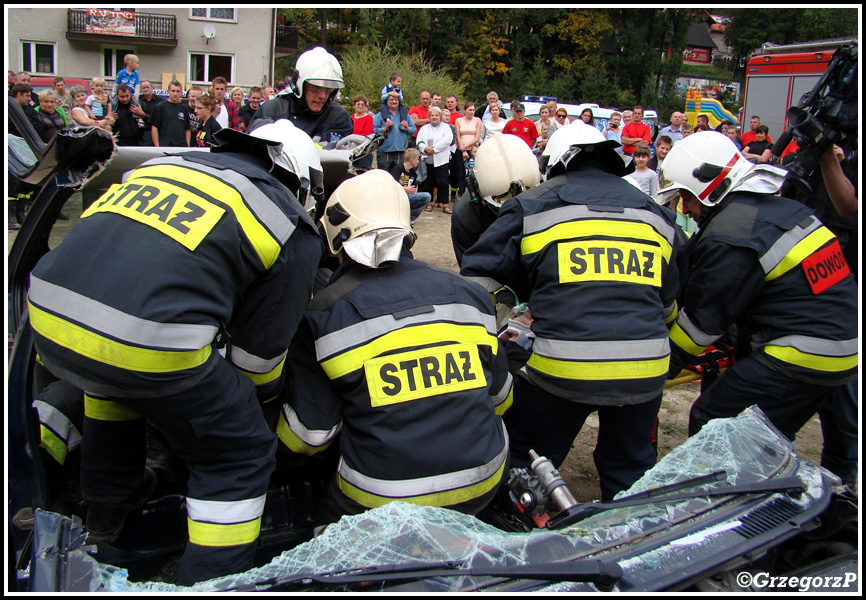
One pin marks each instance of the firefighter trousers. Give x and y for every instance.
(548, 424)
(218, 429)
(787, 402)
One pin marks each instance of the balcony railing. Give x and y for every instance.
(286, 40)
(149, 28)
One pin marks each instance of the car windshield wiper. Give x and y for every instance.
(671, 493)
(603, 573)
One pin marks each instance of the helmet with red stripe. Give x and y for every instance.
(707, 164)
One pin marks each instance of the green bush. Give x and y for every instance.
(366, 71)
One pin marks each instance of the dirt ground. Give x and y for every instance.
(434, 246)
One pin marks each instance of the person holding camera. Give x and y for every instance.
(613, 132)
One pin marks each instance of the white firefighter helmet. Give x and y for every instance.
(574, 138)
(372, 206)
(317, 67)
(296, 154)
(707, 164)
(504, 167)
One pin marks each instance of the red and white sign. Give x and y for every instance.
(111, 22)
(692, 54)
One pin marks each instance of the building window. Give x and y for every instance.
(38, 57)
(204, 68)
(112, 60)
(213, 14)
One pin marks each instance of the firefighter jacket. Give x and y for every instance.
(189, 251)
(405, 364)
(471, 218)
(595, 256)
(332, 120)
(768, 264)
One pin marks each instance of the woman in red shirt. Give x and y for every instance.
(363, 125)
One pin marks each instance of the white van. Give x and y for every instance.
(600, 116)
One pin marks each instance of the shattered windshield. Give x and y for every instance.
(747, 447)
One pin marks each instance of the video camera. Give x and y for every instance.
(823, 114)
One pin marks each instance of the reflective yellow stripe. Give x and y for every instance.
(802, 250)
(503, 407)
(219, 534)
(263, 378)
(104, 350)
(292, 441)
(266, 246)
(600, 370)
(431, 333)
(831, 364)
(672, 317)
(682, 340)
(594, 227)
(106, 410)
(447, 498)
(52, 444)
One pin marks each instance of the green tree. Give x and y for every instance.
(642, 37)
(750, 28)
(822, 23)
(480, 53)
(579, 36)
(366, 70)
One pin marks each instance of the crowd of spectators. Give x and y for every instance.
(446, 136)
(133, 112)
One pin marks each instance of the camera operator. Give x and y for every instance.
(823, 176)
(839, 186)
(837, 206)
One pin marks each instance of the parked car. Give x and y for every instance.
(600, 114)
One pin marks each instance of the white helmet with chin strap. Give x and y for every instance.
(707, 164)
(572, 139)
(368, 217)
(316, 67)
(504, 167)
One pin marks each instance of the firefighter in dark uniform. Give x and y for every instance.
(402, 360)
(309, 102)
(193, 255)
(596, 256)
(767, 264)
(504, 167)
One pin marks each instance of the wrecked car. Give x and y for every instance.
(734, 499)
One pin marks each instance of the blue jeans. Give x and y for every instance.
(417, 202)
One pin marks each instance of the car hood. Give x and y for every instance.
(658, 545)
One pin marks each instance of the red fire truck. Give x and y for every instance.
(778, 76)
